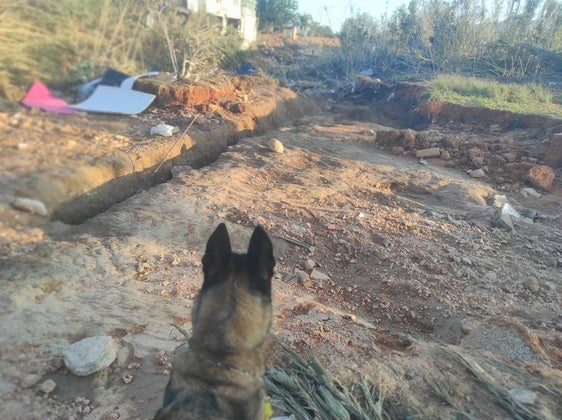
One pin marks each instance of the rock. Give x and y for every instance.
(30, 380)
(503, 221)
(319, 276)
(428, 153)
(445, 155)
(275, 145)
(523, 396)
(90, 355)
(530, 191)
(554, 155)
(309, 264)
(397, 150)
(48, 386)
(477, 173)
(499, 180)
(478, 160)
(450, 141)
(529, 214)
(531, 283)
(31, 205)
(303, 278)
(127, 379)
(510, 157)
(499, 200)
(541, 176)
(407, 139)
(235, 107)
(469, 324)
(476, 156)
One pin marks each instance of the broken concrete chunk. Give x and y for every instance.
(432, 152)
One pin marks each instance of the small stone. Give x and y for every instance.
(529, 214)
(445, 155)
(523, 396)
(127, 379)
(397, 150)
(275, 145)
(90, 355)
(48, 386)
(30, 380)
(531, 283)
(303, 278)
(477, 173)
(319, 276)
(478, 160)
(510, 157)
(31, 205)
(407, 138)
(309, 264)
(532, 192)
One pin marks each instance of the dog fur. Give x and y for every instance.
(220, 375)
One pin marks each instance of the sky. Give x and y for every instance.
(334, 12)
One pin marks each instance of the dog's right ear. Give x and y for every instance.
(217, 255)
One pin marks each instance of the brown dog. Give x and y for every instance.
(219, 376)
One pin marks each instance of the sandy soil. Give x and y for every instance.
(418, 285)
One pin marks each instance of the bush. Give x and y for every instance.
(66, 42)
(432, 36)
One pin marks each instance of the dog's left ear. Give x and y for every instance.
(217, 255)
(261, 261)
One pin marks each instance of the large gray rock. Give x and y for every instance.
(90, 355)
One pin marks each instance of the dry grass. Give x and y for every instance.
(66, 42)
(305, 389)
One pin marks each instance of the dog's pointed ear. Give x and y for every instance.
(217, 254)
(261, 261)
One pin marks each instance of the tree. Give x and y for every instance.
(275, 14)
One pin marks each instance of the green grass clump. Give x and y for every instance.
(530, 98)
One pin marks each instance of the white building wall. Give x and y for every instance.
(229, 8)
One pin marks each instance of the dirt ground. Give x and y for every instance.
(386, 267)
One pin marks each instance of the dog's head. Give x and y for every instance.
(232, 313)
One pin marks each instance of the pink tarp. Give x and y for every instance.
(39, 96)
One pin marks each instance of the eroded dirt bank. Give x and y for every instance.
(79, 166)
(407, 280)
